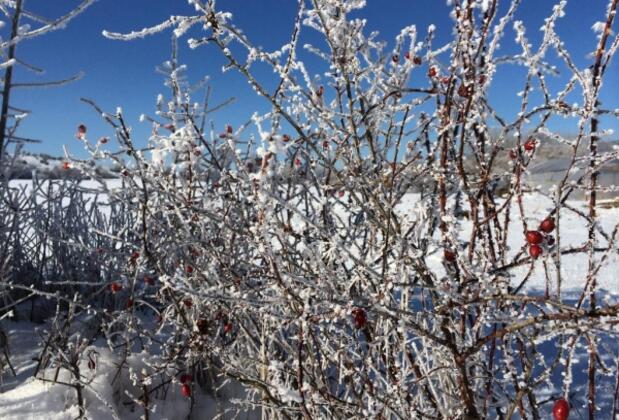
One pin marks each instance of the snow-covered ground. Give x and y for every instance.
(24, 397)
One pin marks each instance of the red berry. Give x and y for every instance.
(449, 255)
(445, 80)
(534, 237)
(417, 60)
(135, 255)
(341, 193)
(325, 144)
(81, 129)
(227, 327)
(535, 251)
(512, 154)
(547, 225)
(103, 140)
(124, 172)
(223, 135)
(395, 58)
(129, 303)
(229, 129)
(116, 287)
(297, 162)
(285, 138)
(188, 269)
(186, 378)
(320, 91)
(407, 55)
(432, 72)
(186, 390)
(561, 410)
(529, 145)
(463, 91)
(188, 302)
(66, 165)
(360, 318)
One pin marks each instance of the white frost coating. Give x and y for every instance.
(57, 24)
(289, 395)
(598, 27)
(308, 220)
(139, 34)
(8, 63)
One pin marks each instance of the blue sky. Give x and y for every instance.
(123, 73)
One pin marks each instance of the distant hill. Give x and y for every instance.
(46, 166)
(552, 159)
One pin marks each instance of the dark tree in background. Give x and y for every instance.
(24, 25)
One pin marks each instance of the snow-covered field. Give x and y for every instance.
(24, 397)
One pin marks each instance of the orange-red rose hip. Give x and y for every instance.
(561, 410)
(547, 225)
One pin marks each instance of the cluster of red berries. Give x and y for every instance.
(537, 237)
